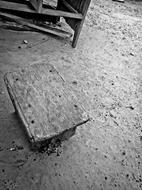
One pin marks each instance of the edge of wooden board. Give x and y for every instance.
(17, 107)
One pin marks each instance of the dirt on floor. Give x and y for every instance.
(105, 72)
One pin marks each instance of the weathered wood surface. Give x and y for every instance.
(37, 4)
(15, 6)
(74, 12)
(45, 29)
(44, 102)
(80, 6)
(44, 12)
(69, 7)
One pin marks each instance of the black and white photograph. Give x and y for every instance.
(70, 94)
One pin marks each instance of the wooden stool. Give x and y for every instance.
(45, 103)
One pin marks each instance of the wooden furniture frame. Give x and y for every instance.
(77, 7)
(74, 12)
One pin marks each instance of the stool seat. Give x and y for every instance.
(44, 102)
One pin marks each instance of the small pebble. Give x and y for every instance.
(74, 82)
(131, 54)
(12, 149)
(131, 107)
(123, 153)
(25, 41)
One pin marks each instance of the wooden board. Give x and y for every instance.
(37, 4)
(45, 29)
(44, 12)
(45, 103)
(79, 6)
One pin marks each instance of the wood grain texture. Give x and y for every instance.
(81, 6)
(44, 12)
(37, 4)
(45, 29)
(44, 101)
(69, 7)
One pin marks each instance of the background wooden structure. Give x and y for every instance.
(74, 12)
(37, 4)
(78, 7)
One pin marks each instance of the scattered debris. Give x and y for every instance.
(132, 54)
(130, 107)
(123, 153)
(12, 149)
(74, 82)
(53, 147)
(16, 148)
(25, 41)
(2, 92)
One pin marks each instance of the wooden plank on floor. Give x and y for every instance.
(48, 29)
(44, 101)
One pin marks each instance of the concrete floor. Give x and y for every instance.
(106, 153)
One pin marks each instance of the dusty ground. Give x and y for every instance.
(105, 71)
